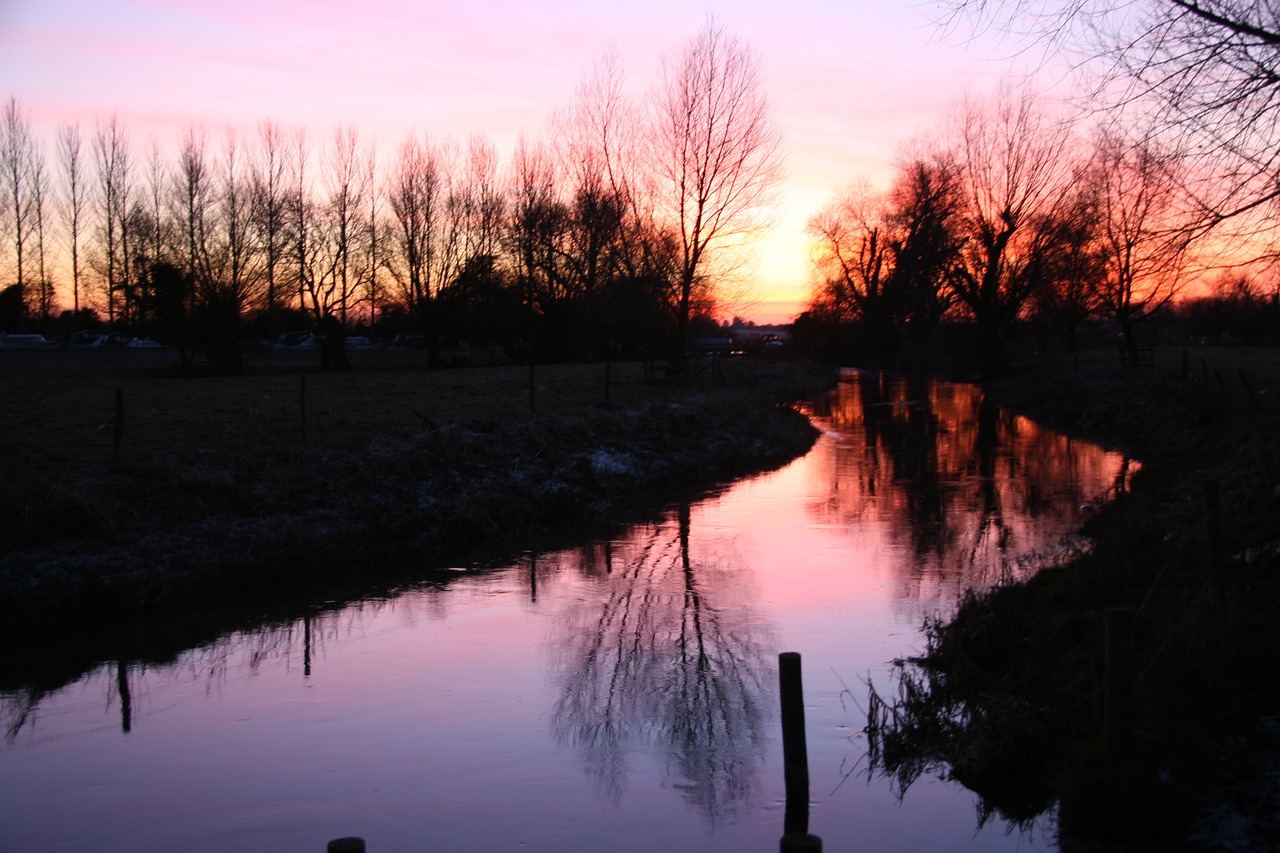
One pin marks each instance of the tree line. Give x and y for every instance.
(1009, 214)
(611, 234)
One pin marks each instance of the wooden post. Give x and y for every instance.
(800, 843)
(795, 758)
(1253, 395)
(1117, 709)
(302, 406)
(533, 386)
(1212, 523)
(117, 438)
(351, 844)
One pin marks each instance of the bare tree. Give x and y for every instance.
(1205, 73)
(479, 200)
(926, 201)
(69, 145)
(44, 291)
(1013, 170)
(620, 257)
(194, 195)
(158, 192)
(111, 151)
(1145, 246)
(17, 148)
(234, 278)
(372, 249)
(537, 229)
(424, 246)
(1069, 264)
(415, 195)
(853, 261)
(884, 258)
(301, 214)
(269, 176)
(228, 286)
(717, 155)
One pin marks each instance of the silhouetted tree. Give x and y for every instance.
(424, 247)
(13, 308)
(74, 188)
(925, 204)
(17, 152)
(1013, 172)
(172, 293)
(269, 216)
(115, 190)
(1200, 74)
(1069, 264)
(1144, 241)
(717, 155)
(856, 267)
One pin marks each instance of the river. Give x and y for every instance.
(619, 695)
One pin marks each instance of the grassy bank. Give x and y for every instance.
(208, 489)
(1008, 697)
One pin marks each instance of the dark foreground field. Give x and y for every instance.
(206, 489)
(1009, 695)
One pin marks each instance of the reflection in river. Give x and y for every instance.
(461, 714)
(959, 489)
(667, 656)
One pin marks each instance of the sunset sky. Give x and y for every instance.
(850, 80)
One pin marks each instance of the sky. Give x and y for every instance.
(850, 81)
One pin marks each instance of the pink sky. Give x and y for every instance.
(850, 81)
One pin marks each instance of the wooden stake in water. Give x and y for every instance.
(351, 844)
(795, 757)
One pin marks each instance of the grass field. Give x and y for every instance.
(59, 407)
(205, 487)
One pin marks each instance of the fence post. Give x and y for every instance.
(302, 406)
(533, 386)
(1253, 395)
(117, 436)
(795, 758)
(1212, 523)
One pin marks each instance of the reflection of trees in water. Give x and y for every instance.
(664, 660)
(958, 486)
(295, 644)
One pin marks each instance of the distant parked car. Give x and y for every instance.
(356, 342)
(298, 340)
(143, 343)
(22, 341)
(408, 342)
(115, 339)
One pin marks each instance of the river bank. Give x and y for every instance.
(1008, 696)
(224, 495)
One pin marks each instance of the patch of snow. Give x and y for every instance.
(612, 464)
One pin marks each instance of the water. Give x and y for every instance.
(619, 695)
